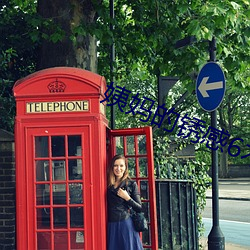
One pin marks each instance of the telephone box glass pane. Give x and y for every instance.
(42, 170)
(146, 236)
(131, 167)
(142, 144)
(41, 146)
(75, 169)
(144, 190)
(75, 193)
(146, 210)
(43, 218)
(74, 145)
(60, 217)
(130, 145)
(43, 241)
(77, 240)
(143, 164)
(61, 240)
(58, 171)
(58, 146)
(41, 194)
(119, 145)
(76, 217)
(59, 194)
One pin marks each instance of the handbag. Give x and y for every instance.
(139, 221)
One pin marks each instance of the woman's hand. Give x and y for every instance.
(123, 194)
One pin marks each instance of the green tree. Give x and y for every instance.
(17, 54)
(148, 30)
(68, 38)
(234, 117)
(155, 26)
(42, 34)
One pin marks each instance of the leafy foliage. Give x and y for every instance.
(17, 54)
(192, 169)
(145, 36)
(146, 32)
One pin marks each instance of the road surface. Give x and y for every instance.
(234, 212)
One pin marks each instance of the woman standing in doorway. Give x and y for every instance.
(122, 195)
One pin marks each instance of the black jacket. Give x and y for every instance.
(118, 208)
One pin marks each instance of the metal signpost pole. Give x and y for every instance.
(216, 240)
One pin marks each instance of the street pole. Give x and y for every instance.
(216, 240)
(112, 61)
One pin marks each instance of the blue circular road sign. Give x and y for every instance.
(210, 86)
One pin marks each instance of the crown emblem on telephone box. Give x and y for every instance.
(56, 86)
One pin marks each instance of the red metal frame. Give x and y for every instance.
(32, 184)
(91, 124)
(43, 88)
(135, 132)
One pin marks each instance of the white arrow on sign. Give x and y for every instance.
(204, 86)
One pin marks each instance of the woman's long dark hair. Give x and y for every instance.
(111, 175)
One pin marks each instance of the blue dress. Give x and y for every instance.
(122, 236)
(121, 232)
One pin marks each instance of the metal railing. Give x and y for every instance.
(176, 211)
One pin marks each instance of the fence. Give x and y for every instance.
(177, 221)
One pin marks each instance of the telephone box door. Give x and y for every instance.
(59, 188)
(136, 145)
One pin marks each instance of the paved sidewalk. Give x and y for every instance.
(230, 194)
(228, 246)
(239, 194)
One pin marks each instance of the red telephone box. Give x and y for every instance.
(61, 160)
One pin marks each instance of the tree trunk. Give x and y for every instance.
(223, 166)
(75, 49)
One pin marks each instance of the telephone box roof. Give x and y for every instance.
(93, 80)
